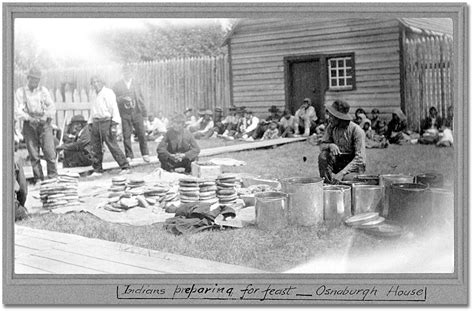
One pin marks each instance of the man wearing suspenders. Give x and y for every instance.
(34, 106)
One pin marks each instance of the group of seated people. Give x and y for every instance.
(379, 134)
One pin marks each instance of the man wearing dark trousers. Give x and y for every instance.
(105, 118)
(34, 106)
(77, 150)
(133, 112)
(178, 148)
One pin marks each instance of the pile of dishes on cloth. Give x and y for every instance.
(60, 191)
(126, 193)
(374, 224)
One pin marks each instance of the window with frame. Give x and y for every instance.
(341, 73)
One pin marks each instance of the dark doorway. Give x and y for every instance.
(305, 78)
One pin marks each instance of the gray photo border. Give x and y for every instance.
(86, 289)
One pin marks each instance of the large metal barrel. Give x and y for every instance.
(367, 198)
(306, 203)
(431, 179)
(368, 179)
(442, 205)
(337, 203)
(409, 204)
(386, 180)
(271, 210)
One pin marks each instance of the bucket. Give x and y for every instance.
(431, 179)
(409, 204)
(442, 205)
(386, 180)
(271, 210)
(368, 179)
(306, 205)
(367, 198)
(337, 203)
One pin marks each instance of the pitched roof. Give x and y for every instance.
(428, 26)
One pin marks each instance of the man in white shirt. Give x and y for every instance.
(156, 127)
(306, 118)
(34, 106)
(105, 118)
(248, 125)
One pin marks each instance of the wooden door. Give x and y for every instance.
(305, 79)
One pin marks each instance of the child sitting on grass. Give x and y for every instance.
(272, 132)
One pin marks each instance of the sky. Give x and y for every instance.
(71, 37)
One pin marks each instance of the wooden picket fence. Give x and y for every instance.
(169, 86)
(429, 80)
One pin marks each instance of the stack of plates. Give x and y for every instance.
(188, 190)
(156, 193)
(226, 192)
(119, 184)
(372, 223)
(136, 182)
(207, 191)
(60, 191)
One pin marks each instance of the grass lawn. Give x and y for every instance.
(251, 247)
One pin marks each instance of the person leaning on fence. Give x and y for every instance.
(132, 111)
(35, 108)
(342, 146)
(104, 119)
(306, 118)
(78, 151)
(178, 148)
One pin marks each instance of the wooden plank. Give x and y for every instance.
(36, 243)
(55, 266)
(22, 251)
(26, 269)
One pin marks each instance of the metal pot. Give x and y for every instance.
(388, 179)
(367, 198)
(409, 204)
(306, 203)
(337, 203)
(271, 210)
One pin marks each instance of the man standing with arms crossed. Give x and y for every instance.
(105, 118)
(34, 106)
(133, 112)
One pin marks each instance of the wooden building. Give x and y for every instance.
(281, 62)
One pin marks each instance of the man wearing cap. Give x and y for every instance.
(342, 146)
(190, 119)
(78, 151)
(104, 119)
(132, 111)
(35, 108)
(178, 147)
(205, 126)
(306, 118)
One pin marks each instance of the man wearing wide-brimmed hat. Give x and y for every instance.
(178, 148)
(205, 126)
(342, 146)
(35, 108)
(78, 151)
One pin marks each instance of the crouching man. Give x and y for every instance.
(178, 147)
(78, 151)
(342, 146)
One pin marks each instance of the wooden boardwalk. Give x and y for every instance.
(47, 252)
(153, 159)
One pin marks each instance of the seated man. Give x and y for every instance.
(272, 131)
(247, 126)
(377, 124)
(205, 126)
(219, 126)
(189, 117)
(178, 147)
(397, 128)
(264, 124)
(430, 127)
(447, 139)
(287, 124)
(78, 149)
(155, 127)
(230, 122)
(372, 140)
(306, 118)
(342, 146)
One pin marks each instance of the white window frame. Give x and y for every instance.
(348, 73)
